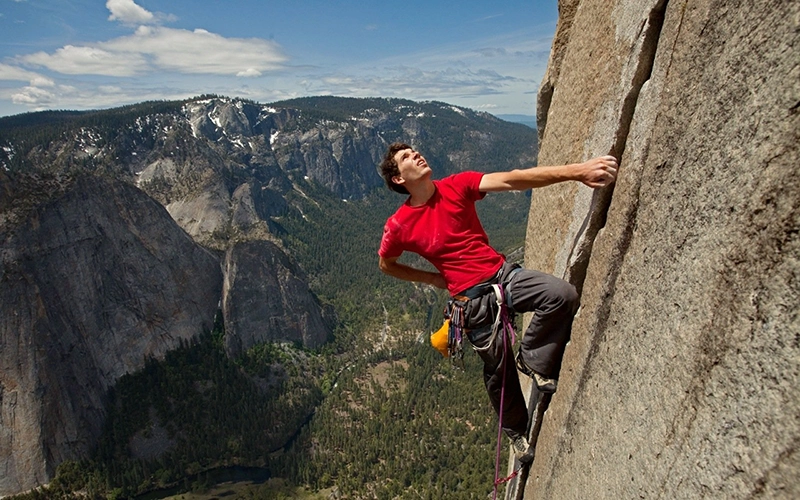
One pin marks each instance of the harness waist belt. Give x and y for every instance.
(503, 275)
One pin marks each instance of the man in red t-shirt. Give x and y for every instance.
(438, 221)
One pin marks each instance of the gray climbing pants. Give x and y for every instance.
(554, 303)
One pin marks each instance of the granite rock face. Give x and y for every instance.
(681, 380)
(93, 283)
(266, 299)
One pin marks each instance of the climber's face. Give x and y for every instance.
(412, 167)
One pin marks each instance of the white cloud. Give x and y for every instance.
(42, 81)
(249, 72)
(86, 60)
(159, 48)
(34, 96)
(128, 12)
(200, 51)
(88, 96)
(14, 73)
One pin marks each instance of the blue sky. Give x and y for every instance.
(90, 54)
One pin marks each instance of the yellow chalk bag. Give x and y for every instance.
(440, 338)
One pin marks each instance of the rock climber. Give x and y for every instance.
(438, 221)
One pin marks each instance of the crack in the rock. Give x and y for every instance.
(601, 199)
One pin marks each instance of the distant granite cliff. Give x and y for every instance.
(682, 377)
(266, 298)
(94, 282)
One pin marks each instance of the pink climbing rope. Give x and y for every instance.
(507, 331)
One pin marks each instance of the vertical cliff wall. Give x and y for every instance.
(266, 298)
(682, 376)
(92, 284)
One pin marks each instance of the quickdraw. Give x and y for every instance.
(455, 334)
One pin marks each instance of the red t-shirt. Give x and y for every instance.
(446, 231)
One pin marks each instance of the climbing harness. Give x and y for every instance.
(454, 319)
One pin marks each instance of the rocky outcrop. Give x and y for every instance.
(266, 299)
(681, 380)
(94, 283)
(341, 158)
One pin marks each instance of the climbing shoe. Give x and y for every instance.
(523, 451)
(544, 384)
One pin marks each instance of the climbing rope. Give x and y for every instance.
(502, 322)
(498, 482)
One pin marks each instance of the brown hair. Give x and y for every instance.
(389, 167)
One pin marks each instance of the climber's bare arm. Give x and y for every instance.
(391, 267)
(595, 173)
